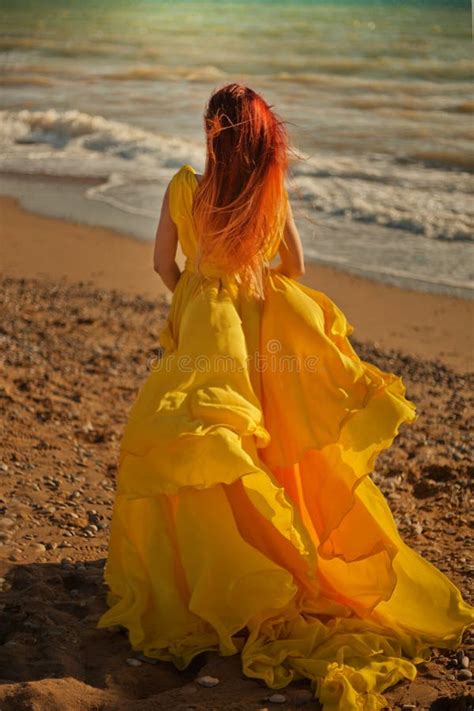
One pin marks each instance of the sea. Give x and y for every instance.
(103, 100)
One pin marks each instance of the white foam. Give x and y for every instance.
(374, 189)
(368, 202)
(365, 189)
(74, 143)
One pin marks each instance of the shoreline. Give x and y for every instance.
(69, 199)
(422, 324)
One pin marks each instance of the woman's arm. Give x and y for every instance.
(166, 243)
(291, 249)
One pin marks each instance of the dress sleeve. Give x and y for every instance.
(180, 194)
(173, 193)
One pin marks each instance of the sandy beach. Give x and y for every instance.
(81, 310)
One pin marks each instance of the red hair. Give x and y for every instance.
(241, 203)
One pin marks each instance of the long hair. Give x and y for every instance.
(240, 204)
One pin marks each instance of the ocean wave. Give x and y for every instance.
(26, 80)
(409, 105)
(42, 74)
(386, 85)
(135, 197)
(50, 69)
(163, 71)
(461, 69)
(425, 92)
(79, 135)
(444, 160)
(466, 107)
(413, 193)
(56, 47)
(366, 59)
(406, 196)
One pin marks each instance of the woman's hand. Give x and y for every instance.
(170, 278)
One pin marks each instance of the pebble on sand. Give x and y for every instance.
(207, 681)
(303, 696)
(277, 699)
(132, 662)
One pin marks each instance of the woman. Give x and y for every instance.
(245, 518)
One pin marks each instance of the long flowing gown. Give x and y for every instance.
(244, 499)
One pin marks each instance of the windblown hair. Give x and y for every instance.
(241, 202)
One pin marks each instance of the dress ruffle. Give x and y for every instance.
(244, 501)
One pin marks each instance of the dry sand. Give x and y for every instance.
(74, 355)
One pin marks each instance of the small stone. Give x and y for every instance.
(207, 681)
(465, 662)
(464, 674)
(408, 707)
(93, 617)
(38, 547)
(303, 696)
(147, 660)
(6, 522)
(132, 662)
(113, 629)
(277, 699)
(4, 585)
(189, 689)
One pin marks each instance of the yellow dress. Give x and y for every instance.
(244, 497)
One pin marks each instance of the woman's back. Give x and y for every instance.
(246, 520)
(182, 189)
